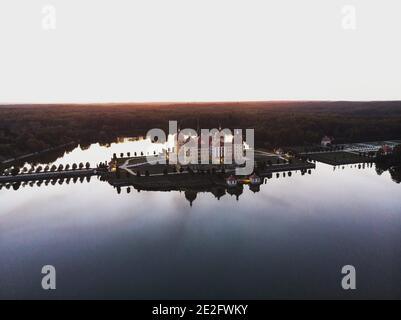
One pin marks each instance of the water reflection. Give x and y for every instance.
(200, 183)
(92, 153)
(285, 238)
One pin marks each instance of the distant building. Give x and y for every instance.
(218, 147)
(386, 149)
(327, 141)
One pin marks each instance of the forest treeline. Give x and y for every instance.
(31, 128)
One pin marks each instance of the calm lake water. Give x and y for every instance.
(290, 240)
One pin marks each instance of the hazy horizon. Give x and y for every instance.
(169, 103)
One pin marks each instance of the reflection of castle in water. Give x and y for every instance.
(191, 185)
(219, 185)
(190, 182)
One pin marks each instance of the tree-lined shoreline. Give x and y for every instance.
(26, 129)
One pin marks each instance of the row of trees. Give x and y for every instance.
(16, 170)
(15, 186)
(135, 154)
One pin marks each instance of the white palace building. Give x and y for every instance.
(219, 148)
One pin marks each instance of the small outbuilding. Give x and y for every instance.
(326, 141)
(231, 181)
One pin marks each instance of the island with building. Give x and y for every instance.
(142, 171)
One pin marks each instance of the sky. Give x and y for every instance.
(89, 51)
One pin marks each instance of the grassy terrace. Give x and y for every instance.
(338, 158)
